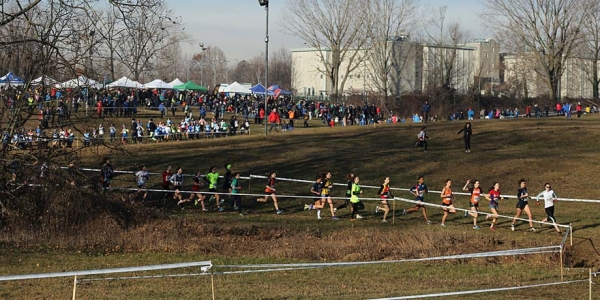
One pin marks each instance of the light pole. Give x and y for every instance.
(265, 3)
(202, 64)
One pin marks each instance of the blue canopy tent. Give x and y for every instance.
(259, 89)
(275, 89)
(11, 79)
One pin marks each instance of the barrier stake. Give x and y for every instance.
(394, 211)
(571, 231)
(590, 284)
(212, 283)
(561, 263)
(75, 286)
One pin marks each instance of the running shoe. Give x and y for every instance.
(404, 212)
(531, 229)
(335, 218)
(359, 216)
(204, 209)
(476, 227)
(428, 222)
(211, 198)
(466, 213)
(306, 207)
(319, 218)
(279, 211)
(383, 221)
(196, 202)
(443, 225)
(241, 214)
(221, 209)
(492, 227)
(512, 227)
(377, 209)
(334, 210)
(487, 217)
(222, 201)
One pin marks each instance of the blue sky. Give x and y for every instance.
(238, 26)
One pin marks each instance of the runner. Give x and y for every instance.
(166, 181)
(422, 139)
(141, 177)
(196, 185)
(447, 198)
(235, 188)
(349, 181)
(213, 179)
(356, 203)
(549, 199)
(106, 173)
(522, 206)
(494, 196)
(475, 191)
(325, 196)
(226, 188)
(177, 181)
(418, 190)
(270, 190)
(316, 189)
(384, 193)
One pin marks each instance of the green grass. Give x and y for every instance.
(562, 152)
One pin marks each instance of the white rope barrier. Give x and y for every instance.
(204, 264)
(305, 266)
(251, 176)
(483, 290)
(196, 274)
(537, 250)
(408, 190)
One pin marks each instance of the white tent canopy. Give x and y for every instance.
(45, 79)
(158, 84)
(80, 81)
(237, 88)
(126, 82)
(176, 82)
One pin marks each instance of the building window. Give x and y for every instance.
(321, 76)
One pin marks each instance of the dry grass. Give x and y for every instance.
(562, 152)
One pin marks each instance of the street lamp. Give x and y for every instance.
(265, 3)
(202, 64)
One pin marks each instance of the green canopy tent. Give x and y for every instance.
(190, 85)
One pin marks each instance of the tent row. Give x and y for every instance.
(82, 81)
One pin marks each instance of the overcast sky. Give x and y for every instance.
(238, 26)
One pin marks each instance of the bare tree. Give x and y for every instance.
(551, 30)
(336, 29)
(209, 67)
(280, 68)
(390, 24)
(588, 53)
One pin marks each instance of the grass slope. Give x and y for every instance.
(560, 151)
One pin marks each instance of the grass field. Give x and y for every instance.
(560, 151)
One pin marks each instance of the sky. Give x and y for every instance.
(238, 26)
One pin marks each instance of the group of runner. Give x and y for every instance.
(323, 184)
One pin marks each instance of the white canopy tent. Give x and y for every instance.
(126, 82)
(45, 80)
(237, 88)
(176, 82)
(158, 84)
(80, 81)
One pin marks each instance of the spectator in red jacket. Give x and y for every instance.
(274, 120)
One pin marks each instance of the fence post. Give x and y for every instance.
(590, 284)
(561, 264)
(571, 231)
(212, 283)
(394, 211)
(74, 286)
